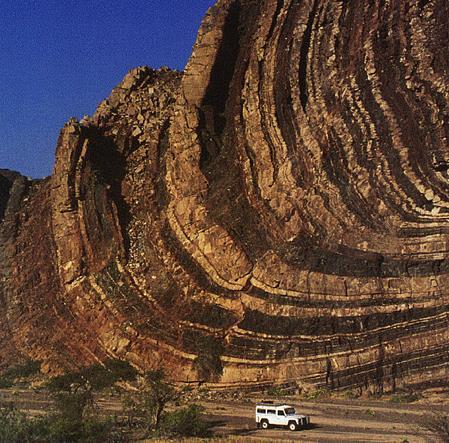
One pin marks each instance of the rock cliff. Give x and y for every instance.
(278, 212)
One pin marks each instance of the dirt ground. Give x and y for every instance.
(333, 420)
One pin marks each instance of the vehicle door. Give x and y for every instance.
(281, 419)
(260, 412)
(271, 416)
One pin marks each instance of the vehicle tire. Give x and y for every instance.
(264, 424)
(292, 426)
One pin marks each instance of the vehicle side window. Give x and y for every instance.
(261, 411)
(281, 413)
(271, 411)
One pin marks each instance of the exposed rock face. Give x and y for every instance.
(279, 212)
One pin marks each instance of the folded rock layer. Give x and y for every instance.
(278, 212)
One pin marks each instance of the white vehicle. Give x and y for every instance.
(270, 414)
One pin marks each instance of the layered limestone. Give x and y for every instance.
(278, 212)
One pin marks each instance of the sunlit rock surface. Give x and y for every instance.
(278, 212)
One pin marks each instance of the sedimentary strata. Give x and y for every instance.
(276, 213)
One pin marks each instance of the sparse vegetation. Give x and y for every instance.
(9, 377)
(6, 383)
(315, 394)
(156, 395)
(405, 398)
(147, 409)
(14, 426)
(351, 394)
(60, 427)
(98, 376)
(185, 422)
(76, 416)
(438, 424)
(275, 391)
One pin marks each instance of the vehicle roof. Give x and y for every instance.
(274, 405)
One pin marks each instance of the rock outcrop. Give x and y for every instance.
(278, 212)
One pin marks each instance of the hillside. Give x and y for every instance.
(279, 212)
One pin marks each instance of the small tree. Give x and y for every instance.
(77, 403)
(27, 369)
(131, 409)
(99, 376)
(77, 417)
(157, 394)
(148, 404)
(146, 408)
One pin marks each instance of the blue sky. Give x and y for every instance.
(60, 58)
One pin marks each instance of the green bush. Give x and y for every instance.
(405, 398)
(60, 429)
(186, 422)
(16, 427)
(6, 383)
(316, 394)
(275, 391)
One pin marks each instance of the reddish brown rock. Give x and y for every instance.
(278, 212)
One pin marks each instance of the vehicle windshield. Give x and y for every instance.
(289, 411)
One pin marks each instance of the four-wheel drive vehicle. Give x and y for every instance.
(270, 414)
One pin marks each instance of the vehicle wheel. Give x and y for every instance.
(264, 424)
(292, 426)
